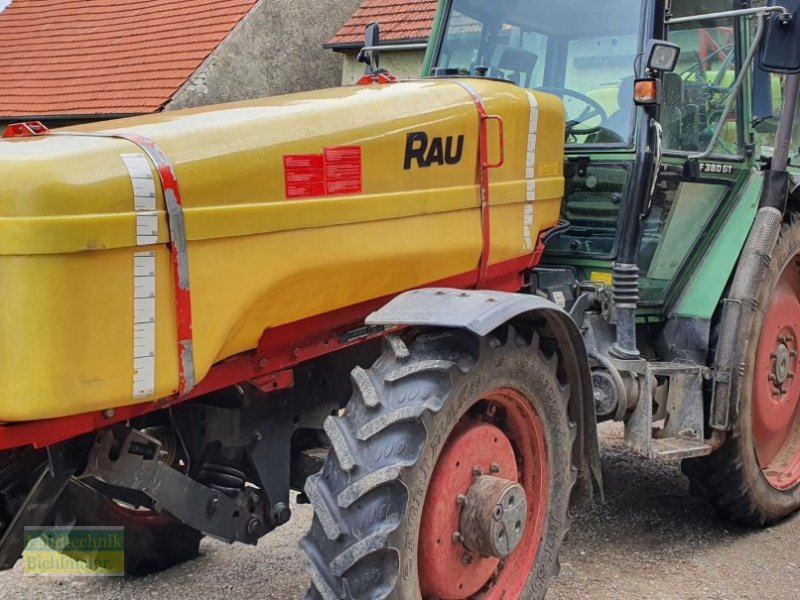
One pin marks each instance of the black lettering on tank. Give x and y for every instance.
(416, 145)
(450, 157)
(428, 151)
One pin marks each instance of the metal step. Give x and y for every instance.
(678, 448)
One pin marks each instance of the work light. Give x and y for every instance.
(662, 56)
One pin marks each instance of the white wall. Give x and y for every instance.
(404, 65)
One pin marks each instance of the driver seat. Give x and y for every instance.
(619, 122)
(519, 62)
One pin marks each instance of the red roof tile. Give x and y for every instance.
(84, 57)
(400, 20)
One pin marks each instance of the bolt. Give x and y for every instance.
(491, 410)
(263, 363)
(296, 352)
(256, 437)
(281, 513)
(772, 377)
(495, 468)
(457, 537)
(254, 527)
(108, 413)
(477, 471)
(466, 559)
(212, 506)
(793, 353)
(790, 375)
(461, 499)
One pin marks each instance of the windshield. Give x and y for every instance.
(580, 50)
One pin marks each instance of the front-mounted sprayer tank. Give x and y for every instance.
(450, 473)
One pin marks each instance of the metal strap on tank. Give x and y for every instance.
(178, 244)
(178, 253)
(483, 156)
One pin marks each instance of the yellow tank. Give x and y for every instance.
(271, 238)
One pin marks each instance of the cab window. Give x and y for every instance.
(695, 95)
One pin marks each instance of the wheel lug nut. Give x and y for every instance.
(772, 377)
(457, 537)
(477, 471)
(467, 559)
(495, 468)
(461, 499)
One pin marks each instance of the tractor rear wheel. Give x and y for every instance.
(755, 477)
(449, 476)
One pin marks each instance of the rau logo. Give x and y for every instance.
(438, 151)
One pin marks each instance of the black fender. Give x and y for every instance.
(481, 312)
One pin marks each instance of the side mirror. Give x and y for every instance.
(369, 53)
(780, 51)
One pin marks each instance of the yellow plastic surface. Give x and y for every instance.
(256, 259)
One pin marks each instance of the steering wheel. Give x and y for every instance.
(699, 67)
(593, 109)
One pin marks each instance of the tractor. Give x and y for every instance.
(412, 302)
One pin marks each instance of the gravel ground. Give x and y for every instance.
(649, 539)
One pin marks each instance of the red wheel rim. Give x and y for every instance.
(776, 390)
(503, 435)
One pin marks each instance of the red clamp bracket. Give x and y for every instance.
(381, 77)
(26, 129)
(486, 165)
(177, 234)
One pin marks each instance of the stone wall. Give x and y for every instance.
(276, 49)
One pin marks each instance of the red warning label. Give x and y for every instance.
(337, 171)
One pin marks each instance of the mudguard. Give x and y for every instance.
(481, 312)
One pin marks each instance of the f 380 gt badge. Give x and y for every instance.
(433, 151)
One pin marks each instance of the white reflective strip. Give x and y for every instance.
(144, 324)
(144, 198)
(530, 174)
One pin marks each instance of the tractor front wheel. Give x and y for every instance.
(449, 476)
(755, 477)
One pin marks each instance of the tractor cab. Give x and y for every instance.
(590, 54)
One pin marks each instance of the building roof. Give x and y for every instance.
(93, 57)
(401, 21)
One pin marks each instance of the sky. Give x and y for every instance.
(4, 3)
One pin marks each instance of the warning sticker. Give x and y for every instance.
(337, 171)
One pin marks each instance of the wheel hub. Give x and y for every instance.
(493, 516)
(453, 563)
(782, 364)
(776, 390)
